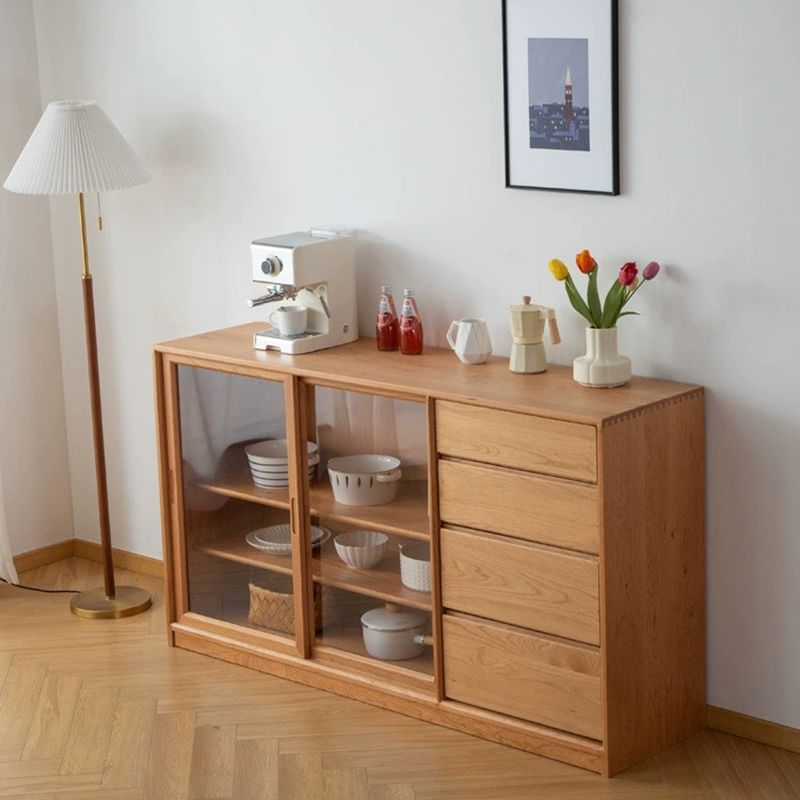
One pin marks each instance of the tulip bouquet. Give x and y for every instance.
(622, 290)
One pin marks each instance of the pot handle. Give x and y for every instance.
(421, 638)
(452, 332)
(389, 477)
(555, 336)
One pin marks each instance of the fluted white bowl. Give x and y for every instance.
(361, 549)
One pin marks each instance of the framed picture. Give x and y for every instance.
(561, 95)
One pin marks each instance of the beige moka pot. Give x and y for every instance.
(527, 330)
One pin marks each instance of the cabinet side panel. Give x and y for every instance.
(653, 579)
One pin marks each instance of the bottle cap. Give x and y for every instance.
(386, 289)
(408, 292)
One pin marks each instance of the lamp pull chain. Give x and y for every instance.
(99, 214)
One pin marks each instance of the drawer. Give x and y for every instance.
(522, 584)
(564, 449)
(531, 677)
(520, 504)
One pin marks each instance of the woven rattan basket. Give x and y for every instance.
(273, 607)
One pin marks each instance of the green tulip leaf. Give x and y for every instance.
(613, 304)
(577, 302)
(594, 298)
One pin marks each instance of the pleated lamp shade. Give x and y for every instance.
(75, 148)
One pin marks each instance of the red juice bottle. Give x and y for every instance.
(410, 325)
(387, 328)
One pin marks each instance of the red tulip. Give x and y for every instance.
(651, 270)
(628, 273)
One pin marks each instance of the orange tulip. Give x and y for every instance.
(586, 264)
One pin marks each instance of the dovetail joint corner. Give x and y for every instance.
(640, 412)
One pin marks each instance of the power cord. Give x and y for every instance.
(37, 589)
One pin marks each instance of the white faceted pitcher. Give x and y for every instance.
(469, 338)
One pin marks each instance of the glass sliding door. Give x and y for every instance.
(239, 551)
(368, 505)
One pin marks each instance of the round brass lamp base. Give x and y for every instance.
(127, 601)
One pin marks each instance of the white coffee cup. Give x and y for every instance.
(469, 338)
(290, 320)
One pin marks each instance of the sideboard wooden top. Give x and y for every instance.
(436, 373)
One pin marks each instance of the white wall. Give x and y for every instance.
(265, 117)
(33, 444)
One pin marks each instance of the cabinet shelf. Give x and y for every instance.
(381, 582)
(407, 515)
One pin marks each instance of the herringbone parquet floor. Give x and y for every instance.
(106, 711)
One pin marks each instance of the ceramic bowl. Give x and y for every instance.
(278, 482)
(274, 469)
(361, 549)
(415, 566)
(277, 539)
(364, 480)
(273, 452)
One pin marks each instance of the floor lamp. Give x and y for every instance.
(75, 149)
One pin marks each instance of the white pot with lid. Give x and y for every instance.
(394, 634)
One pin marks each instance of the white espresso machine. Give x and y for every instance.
(312, 269)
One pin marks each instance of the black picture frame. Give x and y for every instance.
(615, 147)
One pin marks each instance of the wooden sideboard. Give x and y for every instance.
(566, 615)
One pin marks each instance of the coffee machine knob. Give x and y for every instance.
(271, 265)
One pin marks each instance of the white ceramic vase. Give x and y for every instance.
(602, 366)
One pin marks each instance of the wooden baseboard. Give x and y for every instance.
(42, 556)
(91, 551)
(753, 728)
(123, 559)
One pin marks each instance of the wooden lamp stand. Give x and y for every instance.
(108, 601)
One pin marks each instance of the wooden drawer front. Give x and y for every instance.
(522, 584)
(513, 672)
(519, 504)
(565, 449)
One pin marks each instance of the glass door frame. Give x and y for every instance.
(307, 431)
(173, 510)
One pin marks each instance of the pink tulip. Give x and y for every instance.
(651, 270)
(628, 273)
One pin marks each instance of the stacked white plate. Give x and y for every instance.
(277, 539)
(269, 463)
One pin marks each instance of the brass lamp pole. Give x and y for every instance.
(75, 149)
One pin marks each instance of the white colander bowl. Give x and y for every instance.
(364, 480)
